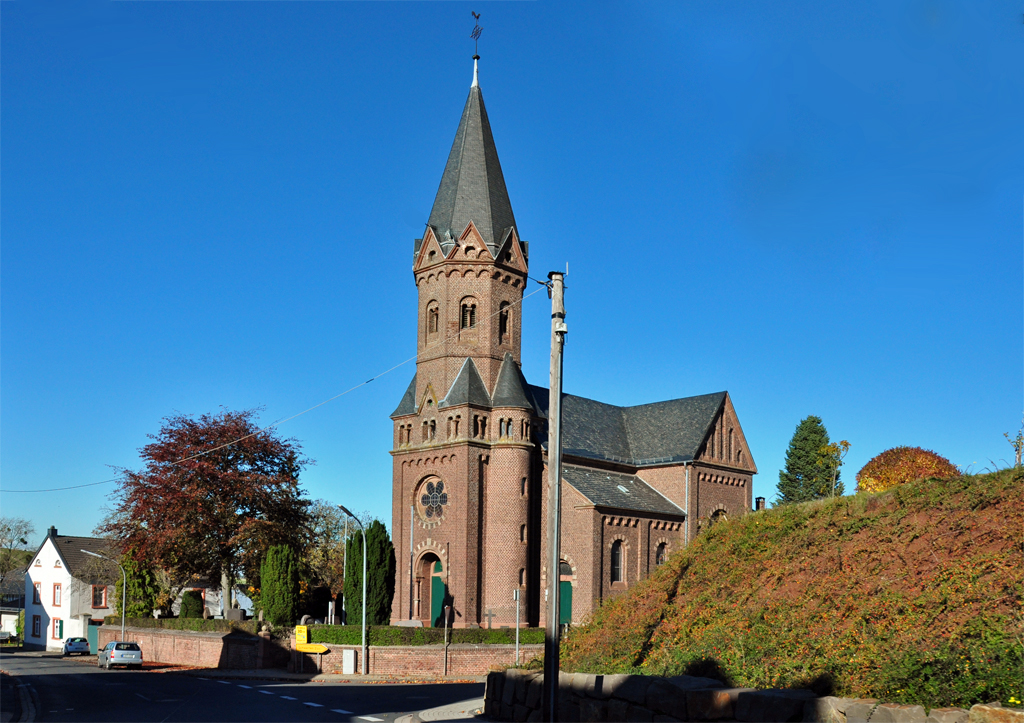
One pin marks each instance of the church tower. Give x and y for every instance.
(462, 454)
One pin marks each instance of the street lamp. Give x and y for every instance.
(124, 585)
(363, 530)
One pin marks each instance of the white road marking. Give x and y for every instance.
(313, 705)
(341, 710)
(288, 697)
(224, 682)
(247, 687)
(265, 692)
(142, 696)
(201, 678)
(369, 717)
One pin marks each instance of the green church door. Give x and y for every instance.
(437, 600)
(564, 602)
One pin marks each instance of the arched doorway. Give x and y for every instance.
(430, 582)
(564, 593)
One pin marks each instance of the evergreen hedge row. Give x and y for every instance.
(196, 625)
(393, 635)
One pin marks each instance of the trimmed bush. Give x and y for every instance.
(393, 635)
(191, 604)
(900, 465)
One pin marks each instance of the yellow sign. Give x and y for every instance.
(301, 634)
(312, 648)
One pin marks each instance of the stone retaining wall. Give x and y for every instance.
(516, 695)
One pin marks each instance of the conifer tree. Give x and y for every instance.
(380, 571)
(279, 585)
(803, 478)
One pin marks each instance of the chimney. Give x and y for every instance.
(52, 532)
(759, 503)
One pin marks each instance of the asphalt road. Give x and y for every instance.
(76, 690)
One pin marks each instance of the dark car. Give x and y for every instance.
(120, 653)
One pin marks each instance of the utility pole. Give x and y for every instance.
(552, 636)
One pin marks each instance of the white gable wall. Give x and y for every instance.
(60, 598)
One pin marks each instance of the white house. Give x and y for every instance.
(65, 589)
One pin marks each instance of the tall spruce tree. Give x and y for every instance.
(279, 585)
(380, 576)
(803, 478)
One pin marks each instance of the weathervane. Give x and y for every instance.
(476, 34)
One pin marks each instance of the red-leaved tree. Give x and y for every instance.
(214, 495)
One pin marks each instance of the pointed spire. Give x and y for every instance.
(472, 186)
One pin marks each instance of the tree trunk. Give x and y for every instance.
(225, 589)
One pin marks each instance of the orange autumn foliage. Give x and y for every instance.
(900, 465)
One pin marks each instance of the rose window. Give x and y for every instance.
(434, 500)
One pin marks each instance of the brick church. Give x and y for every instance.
(470, 440)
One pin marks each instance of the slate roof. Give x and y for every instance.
(620, 491)
(647, 434)
(77, 563)
(472, 185)
(510, 389)
(408, 403)
(468, 388)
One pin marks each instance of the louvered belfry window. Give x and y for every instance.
(468, 316)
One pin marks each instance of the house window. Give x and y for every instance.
(99, 596)
(56, 594)
(37, 626)
(617, 561)
(37, 593)
(57, 564)
(58, 629)
(504, 322)
(468, 315)
(661, 554)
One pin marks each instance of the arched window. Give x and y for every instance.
(522, 488)
(564, 569)
(433, 318)
(711, 445)
(616, 561)
(661, 553)
(731, 457)
(522, 533)
(468, 314)
(504, 323)
(522, 577)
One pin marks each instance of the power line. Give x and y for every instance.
(285, 419)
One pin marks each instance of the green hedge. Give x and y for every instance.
(196, 625)
(393, 635)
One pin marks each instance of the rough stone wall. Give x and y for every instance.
(517, 695)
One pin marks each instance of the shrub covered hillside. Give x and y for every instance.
(912, 595)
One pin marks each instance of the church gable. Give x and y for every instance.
(471, 246)
(724, 442)
(468, 388)
(408, 403)
(511, 253)
(430, 252)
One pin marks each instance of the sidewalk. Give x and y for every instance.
(463, 710)
(283, 675)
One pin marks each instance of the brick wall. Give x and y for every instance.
(204, 650)
(428, 660)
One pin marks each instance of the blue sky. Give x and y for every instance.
(815, 206)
